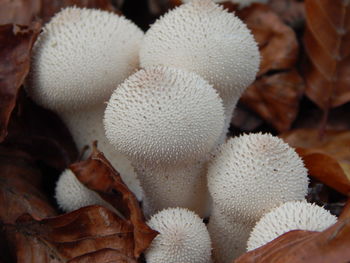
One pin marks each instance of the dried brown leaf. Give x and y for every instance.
(276, 98)
(21, 12)
(331, 245)
(327, 44)
(291, 12)
(90, 234)
(20, 180)
(99, 175)
(277, 42)
(327, 158)
(40, 133)
(15, 49)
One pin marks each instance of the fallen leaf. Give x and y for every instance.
(331, 245)
(292, 12)
(276, 93)
(277, 42)
(99, 175)
(20, 181)
(327, 158)
(16, 43)
(326, 42)
(21, 12)
(40, 133)
(276, 98)
(90, 234)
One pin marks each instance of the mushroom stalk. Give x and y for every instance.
(86, 126)
(228, 236)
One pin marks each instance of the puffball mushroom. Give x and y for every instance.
(183, 237)
(71, 194)
(202, 37)
(298, 215)
(78, 60)
(166, 121)
(250, 175)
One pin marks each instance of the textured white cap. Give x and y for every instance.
(287, 217)
(241, 3)
(71, 194)
(164, 115)
(80, 58)
(251, 174)
(201, 36)
(183, 237)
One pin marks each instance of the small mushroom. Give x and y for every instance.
(298, 215)
(71, 194)
(78, 60)
(183, 237)
(166, 120)
(250, 175)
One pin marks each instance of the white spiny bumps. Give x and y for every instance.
(287, 217)
(164, 115)
(71, 194)
(202, 37)
(80, 58)
(254, 173)
(183, 237)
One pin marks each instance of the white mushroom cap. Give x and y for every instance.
(183, 237)
(164, 115)
(287, 217)
(80, 58)
(71, 194)
(242, 3)
(201, 36)
(251, 174)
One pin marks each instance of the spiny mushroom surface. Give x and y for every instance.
(183, 237)
(289, 216)
(250, 175)
(71, 194)
(78, 60)
(164, 115)
(253, 173)
(166, 121)
(202, 37)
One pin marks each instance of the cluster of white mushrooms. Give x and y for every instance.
(164, 127)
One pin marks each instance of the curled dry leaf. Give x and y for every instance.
(90, 234)
(326, 158)
(327, 44)
(40, 133)
(20, 180)
(297, 246)
(277, 42)
(291, 12)
(15, 49)
(331, 245)
(99, 175)
(274, 95)
(276, 98)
